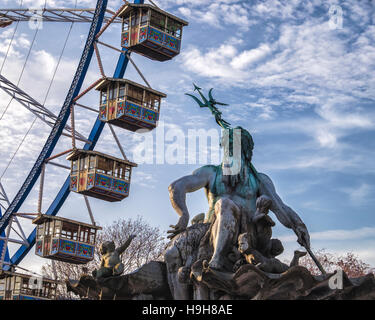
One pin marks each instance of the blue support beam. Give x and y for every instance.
(6, 259)
(62, 118)
(64, 191)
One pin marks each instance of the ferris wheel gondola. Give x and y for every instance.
(65, 239)
(21, 286)
(151, 32)
(99, 175)
(128, 104)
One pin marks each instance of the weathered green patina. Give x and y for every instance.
(247, 142)
(210, 103)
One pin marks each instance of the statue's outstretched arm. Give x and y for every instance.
(177, 194)
(122, 248)
(286, 215)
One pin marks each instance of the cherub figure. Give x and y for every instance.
(261, 224)
(266, 264)
(111, 264)
(258, 247)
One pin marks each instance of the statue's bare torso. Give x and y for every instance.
(244, 194)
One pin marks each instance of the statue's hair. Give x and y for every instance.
(247, 144)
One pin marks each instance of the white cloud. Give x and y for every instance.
(249, 57)
(342, 113)
(216, 13)
(143, 179)
(327, 70)
(214, 63)
(265, 106)
(360, 194)
(185, 12)
(308, 57)
(336, 235)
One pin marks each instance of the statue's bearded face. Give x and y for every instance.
(238, 147)
(232, 153)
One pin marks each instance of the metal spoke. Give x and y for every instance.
(89, 210)
(86, 107)
(117, 141)
(139, 71)
(59, 165)
(5, 244)
(53, 15)
(13, 241)
(3, 196)
(34, 106)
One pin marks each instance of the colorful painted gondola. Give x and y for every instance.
(151, 32)
(18, 286)
(99, 175)
(129, 105)
(64, 239)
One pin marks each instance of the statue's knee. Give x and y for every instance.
(223, 204)
(171, 254)
(171, 258)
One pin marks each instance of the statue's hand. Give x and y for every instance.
(179, 227)
(302, 235)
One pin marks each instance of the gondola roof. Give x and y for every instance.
(130, 6)
(41, 218)
(107, 80)
(78, 152)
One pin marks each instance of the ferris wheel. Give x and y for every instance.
(146, 30)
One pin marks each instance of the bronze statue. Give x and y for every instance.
(111, 264)
(231, 197)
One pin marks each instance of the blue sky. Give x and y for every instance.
(304, 90)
